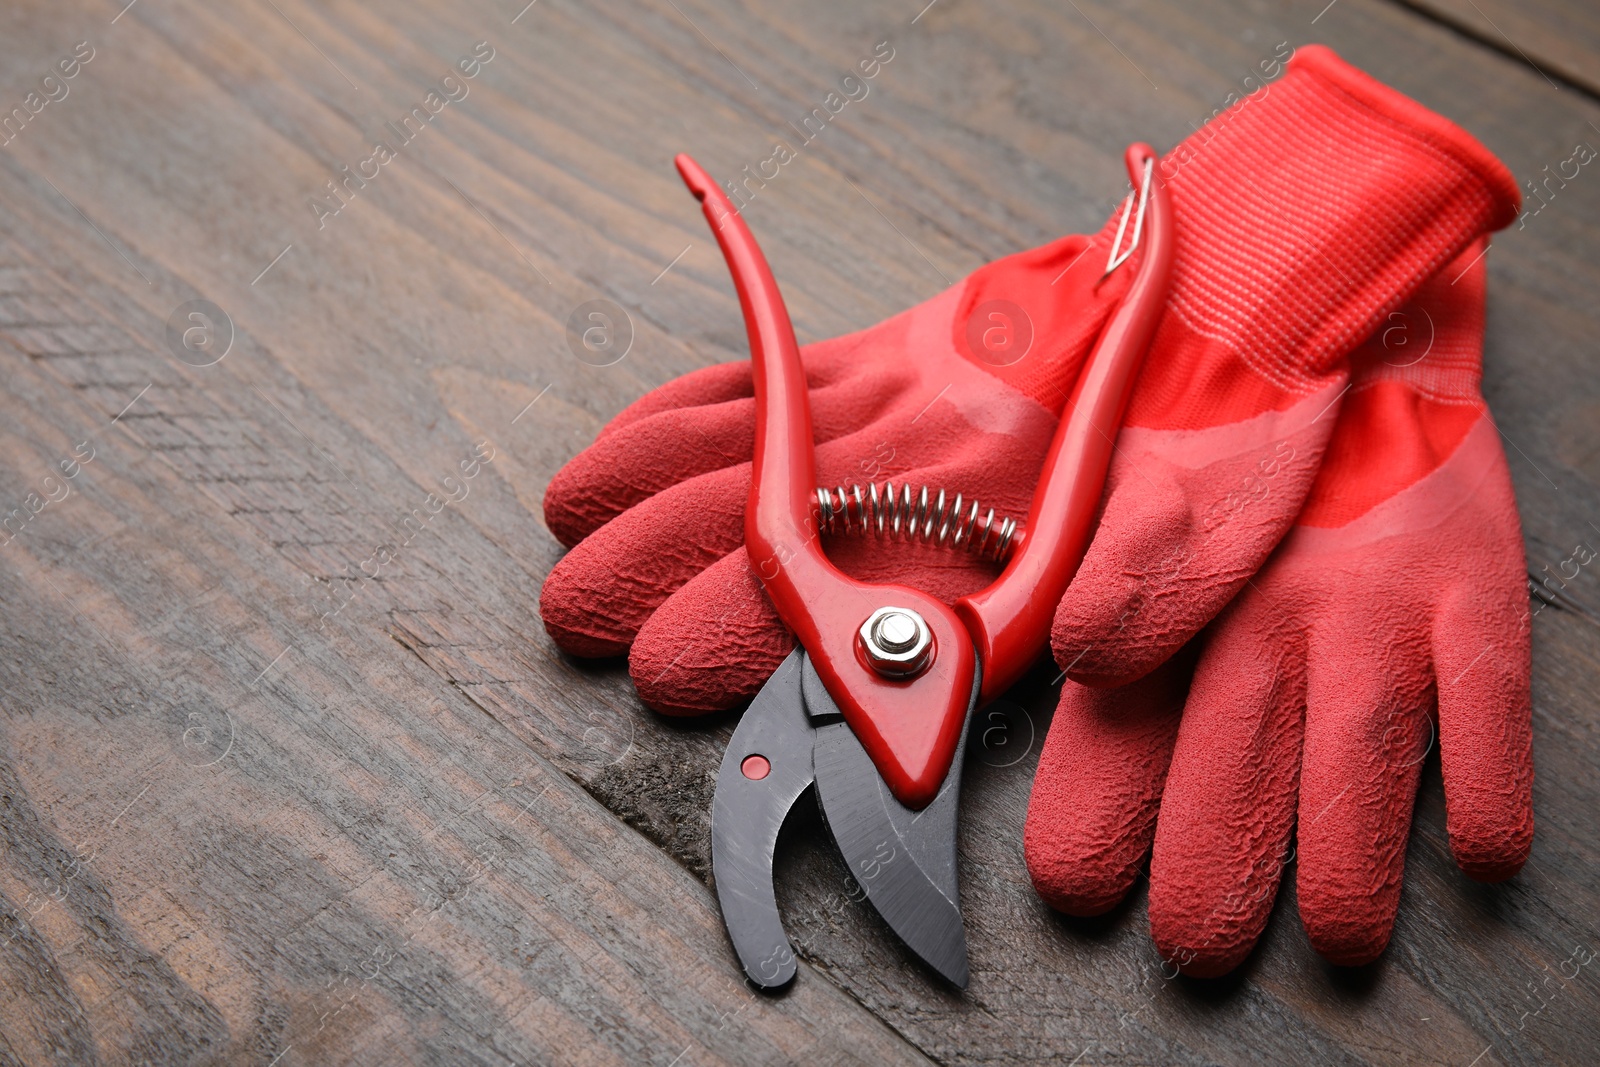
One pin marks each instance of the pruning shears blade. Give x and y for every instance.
(767, 766)
(905, 860)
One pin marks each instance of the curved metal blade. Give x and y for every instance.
(904, 859)
(746, 814)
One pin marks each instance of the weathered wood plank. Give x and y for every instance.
(1558, 38)
(232, 508)
(231, 835)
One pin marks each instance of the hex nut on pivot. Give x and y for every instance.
(896, 641)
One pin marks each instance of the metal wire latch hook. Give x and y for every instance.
(1116, 260)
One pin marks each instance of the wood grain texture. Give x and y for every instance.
(237, 833)
(261, 803)
(1560, 39)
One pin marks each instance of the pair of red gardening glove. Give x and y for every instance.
(1324, 528)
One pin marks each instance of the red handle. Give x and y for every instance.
(1010, 620)
(909, 728)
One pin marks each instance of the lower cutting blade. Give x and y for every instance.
(766, 768)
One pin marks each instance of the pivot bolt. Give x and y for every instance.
(897, 642)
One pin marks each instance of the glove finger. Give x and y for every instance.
(1092, 815)
(1368, 729)
(626, 466)
(657, 451)
(711, 645)
(716, 384)
(1188, 517)
(598, 595)
(1227, 812)
(1480, 648)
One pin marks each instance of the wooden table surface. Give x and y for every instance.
(260, 806)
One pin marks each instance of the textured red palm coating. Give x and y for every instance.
(909, 728)
(1010, 620)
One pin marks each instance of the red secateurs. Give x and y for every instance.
(901, 669)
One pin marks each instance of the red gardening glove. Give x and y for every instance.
(960, 393)
(1279, 271)
(1395, 611)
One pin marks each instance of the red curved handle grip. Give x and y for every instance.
(909, 728)
(1010, 619)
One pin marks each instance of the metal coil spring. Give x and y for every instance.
(918, 517)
